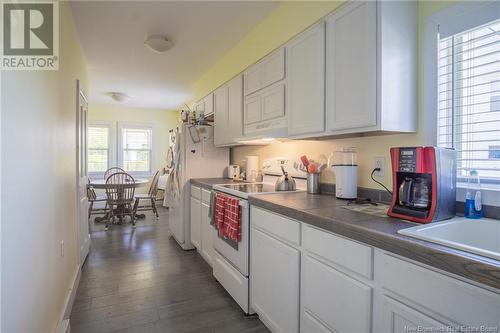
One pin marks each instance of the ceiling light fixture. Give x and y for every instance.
(158, 43)
(119, 97)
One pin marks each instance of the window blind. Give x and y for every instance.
(469, 99)
(136, 149)
(98, 149)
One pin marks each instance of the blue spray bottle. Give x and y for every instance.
(473, 204)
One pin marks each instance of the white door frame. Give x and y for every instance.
(82, 227)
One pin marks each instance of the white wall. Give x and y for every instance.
(38, 132)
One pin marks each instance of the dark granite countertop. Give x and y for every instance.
(326, 212)
(207, 183)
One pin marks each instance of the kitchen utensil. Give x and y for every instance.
(312, 168)
(313, 183)
(304, 160)
(285, 182)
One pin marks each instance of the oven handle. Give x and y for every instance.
(244, 203)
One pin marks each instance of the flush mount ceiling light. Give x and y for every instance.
(158, 43)
(119, 97)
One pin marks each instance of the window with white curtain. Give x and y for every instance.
(469, 99)
(136, 148)
(98, 147)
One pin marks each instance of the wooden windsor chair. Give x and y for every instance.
(93, 198)
(111, 171)
(120, 189)
(149, 197)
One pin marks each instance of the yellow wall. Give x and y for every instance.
(282, 24)
(163, 120)
(39, 177)
(286, 21)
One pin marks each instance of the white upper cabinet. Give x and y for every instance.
(306, 81)
(371, 76)
(267, 71)
(264, 112)
(205, 105)
(352, 67)
(228, 109)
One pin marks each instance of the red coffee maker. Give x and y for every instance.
(423, 183)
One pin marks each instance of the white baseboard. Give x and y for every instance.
(63, 325)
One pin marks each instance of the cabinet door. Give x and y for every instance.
(273, 68)
(306, 81)
(274, 282)
(395, 317)
(200, 107)
(252, 109)
(273, 102)
(220, 116)
(351, 67)
(309, 324)
(195, 222)
(252, 79)
(207, 240)
(234, 126)
(209, 104)
(340, 301)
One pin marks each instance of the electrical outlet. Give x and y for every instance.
(379, 162)
(62, 248)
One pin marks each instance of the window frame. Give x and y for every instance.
(111, 145)
(452, 20)
(137, 125)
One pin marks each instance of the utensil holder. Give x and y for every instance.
(313, 185)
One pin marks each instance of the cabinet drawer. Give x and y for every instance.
(461, 302)
(346, 253)
(196, 192)
(277, 225)
(340, 301)
(205, 196)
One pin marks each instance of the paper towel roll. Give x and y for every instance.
(252, 165)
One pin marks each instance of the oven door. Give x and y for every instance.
(236, 253)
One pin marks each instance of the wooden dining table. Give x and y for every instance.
(101, 185)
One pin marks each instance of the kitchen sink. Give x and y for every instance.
(480, 236)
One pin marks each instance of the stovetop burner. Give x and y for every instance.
(251, 187)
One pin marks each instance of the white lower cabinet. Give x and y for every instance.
(305, 279)
(310, 324)
(202, 232)
(431, 294)
(393, 316)
(339, 301)
(274, 282)
(207, 235)
(195, 222)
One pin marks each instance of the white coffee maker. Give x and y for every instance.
(345, 167)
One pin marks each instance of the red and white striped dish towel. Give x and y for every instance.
(228, 217)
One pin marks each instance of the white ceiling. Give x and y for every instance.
(112, 35)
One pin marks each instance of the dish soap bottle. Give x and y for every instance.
(473, 204)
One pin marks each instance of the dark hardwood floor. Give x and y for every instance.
(141, 281)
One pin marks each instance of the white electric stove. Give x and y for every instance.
(231, 260)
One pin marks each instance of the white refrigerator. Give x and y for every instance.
(194, 156)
